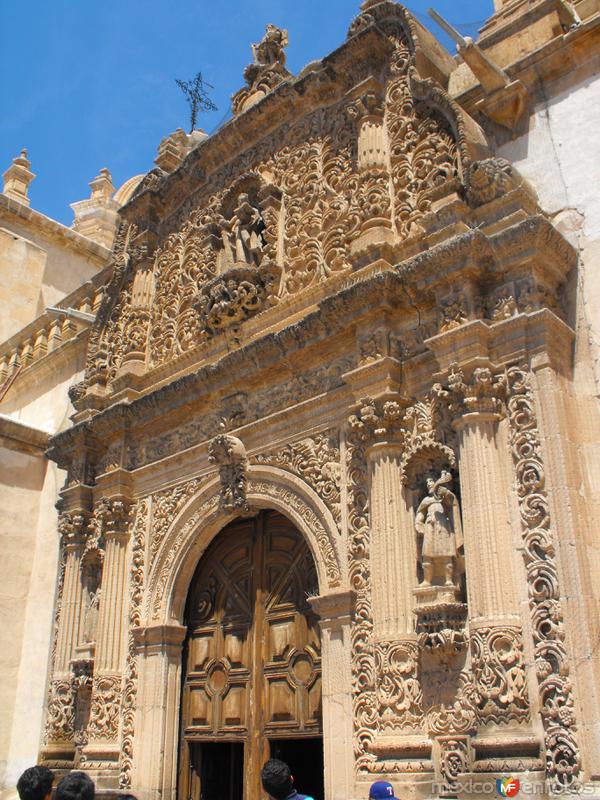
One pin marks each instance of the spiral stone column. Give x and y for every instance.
(494, 622)
(103, 730)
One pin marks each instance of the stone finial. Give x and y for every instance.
(102, 185)
(174, 148)
(96, 217)
(17, 178)
(267, 70)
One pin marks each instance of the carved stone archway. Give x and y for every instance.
(162, 633)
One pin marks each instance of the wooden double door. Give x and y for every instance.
(252, 660)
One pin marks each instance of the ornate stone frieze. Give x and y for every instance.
(499, 672)
(165, 567)
(399, 694)
(165, 507)
(229, 454)
(316, 460)
(563, 760)
(136, 590)
(105, 708)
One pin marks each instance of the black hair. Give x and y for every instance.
(76, 786)
(126, 797)
(276, 779)
(35, 783)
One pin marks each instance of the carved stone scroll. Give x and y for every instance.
(563, 759)
(136, 589)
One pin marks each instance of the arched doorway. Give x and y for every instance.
(251, 663)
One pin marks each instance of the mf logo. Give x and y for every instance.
(507, 787)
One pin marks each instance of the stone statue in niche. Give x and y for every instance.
(247, 226)
(438, 522)
(92, 572)
(90, 621)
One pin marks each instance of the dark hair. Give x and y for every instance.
(76, 786)
(35, 783)
(276, 779)
(126, 797)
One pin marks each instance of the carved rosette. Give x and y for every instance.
(563, 759)
(105, 708)
(454, 760)
(399, 694)
(229, 454)
(499, 671)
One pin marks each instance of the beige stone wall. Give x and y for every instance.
(29, 487)
(41, 261)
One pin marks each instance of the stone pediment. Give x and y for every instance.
(347, 166)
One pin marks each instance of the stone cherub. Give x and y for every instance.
(438, 521)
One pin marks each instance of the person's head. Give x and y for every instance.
(35, 783)
(381, 790)
(76, 786)
(277, 779)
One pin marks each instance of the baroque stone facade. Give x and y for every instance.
(360, 320)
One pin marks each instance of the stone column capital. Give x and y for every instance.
(379, 422)
(334, 608)
(159, 638)
(480, 391)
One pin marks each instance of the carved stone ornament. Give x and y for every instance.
(399, 694)
(235, 296)
(267, 70)
(317, 461)
(499, 671)
(489, 179)
(105, 708)
(229, 454)
(484, 393)
(563, 759)
(136, 591)
(61, 713)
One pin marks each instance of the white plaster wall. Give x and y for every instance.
(560, 156)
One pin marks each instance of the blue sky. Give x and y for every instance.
(90, 84)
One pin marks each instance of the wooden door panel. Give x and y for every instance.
(253, 663)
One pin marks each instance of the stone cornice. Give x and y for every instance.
(22, 438)
(470, 254)
(544, 64)
(10, 208)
